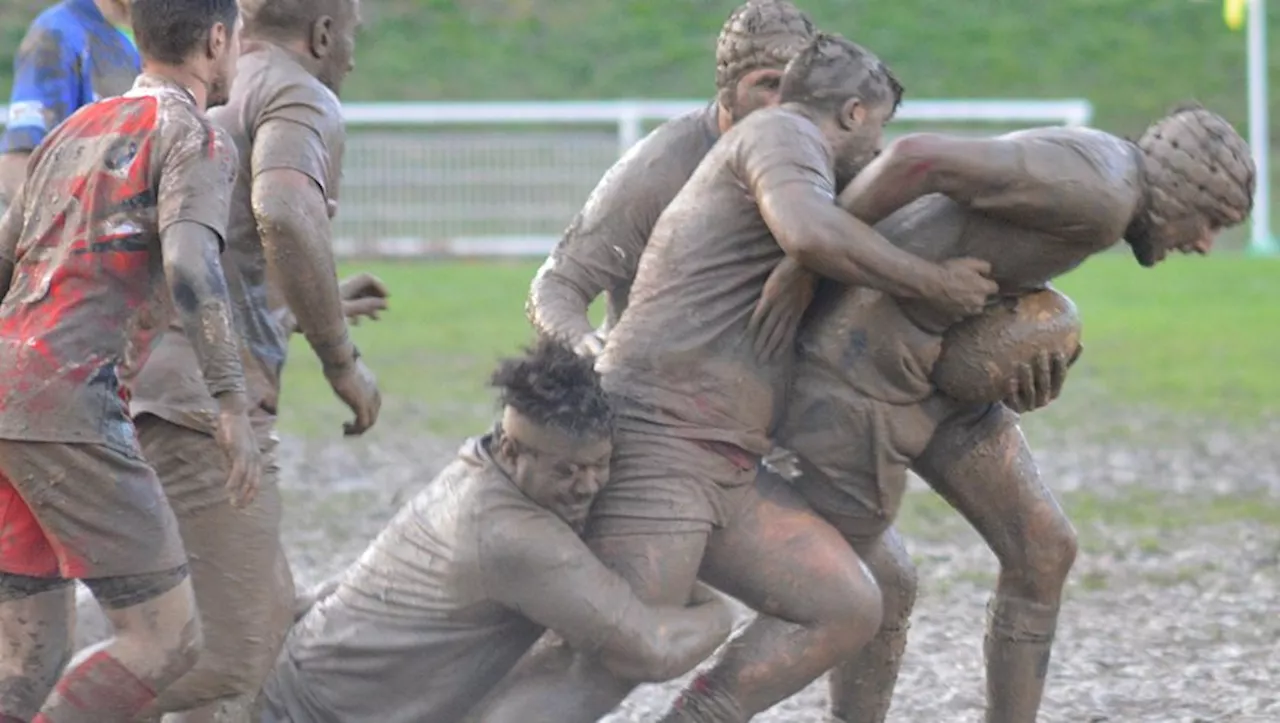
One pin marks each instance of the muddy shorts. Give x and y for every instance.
(243, 587)
(82, 511)
(660, 484)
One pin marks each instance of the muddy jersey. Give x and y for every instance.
(681, 357)
(443, 603)
(863, 403)
(270, 88)
(70, 57)
(88, 284)
(600, 251)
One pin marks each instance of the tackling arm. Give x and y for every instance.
(561, 585)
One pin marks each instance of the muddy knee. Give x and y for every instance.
(897, 577)
(154, 614)
(1039, 565)
(852, 617)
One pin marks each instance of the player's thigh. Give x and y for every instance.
(102, 512)
(238, 569)
(782, 559)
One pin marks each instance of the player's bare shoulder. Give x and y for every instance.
(1096, 176)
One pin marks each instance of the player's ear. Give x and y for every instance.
(322, 36)
(217, 42)
(852, 113)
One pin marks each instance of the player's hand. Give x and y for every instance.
(589, 345)
(776, 318)
(1039, 382)
(356, 385)
(362, 295)
(235, 437)
(965, 288)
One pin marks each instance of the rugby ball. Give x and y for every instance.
(981, 354)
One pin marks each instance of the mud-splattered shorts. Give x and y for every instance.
(243, 587)
(82, 511)
(660, 483)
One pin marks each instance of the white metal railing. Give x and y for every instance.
(504, 178)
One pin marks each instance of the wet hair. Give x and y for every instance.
(1196, 163)
(169, 31)
(287, 19)
(758, 34)
(552, 386)
(832, 69)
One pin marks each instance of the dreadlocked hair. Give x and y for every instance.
(758, 34)
(552, 386)
(1196, 163)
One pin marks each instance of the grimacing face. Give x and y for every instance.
(557, 470)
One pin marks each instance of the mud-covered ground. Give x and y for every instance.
(1172, 613)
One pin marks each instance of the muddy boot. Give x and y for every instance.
(703, 702)
(1019, 638)
(862, 689)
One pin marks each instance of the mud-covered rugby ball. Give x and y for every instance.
(981, 354)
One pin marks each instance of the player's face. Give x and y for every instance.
(341, 59)
(1192, 234)
(755, 90)
(560, 472)
(225, 49)
(861, 139)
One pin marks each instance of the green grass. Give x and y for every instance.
(1194, 336)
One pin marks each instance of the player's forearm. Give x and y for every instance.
(656, 644)
(841, 247)
(559, 300)
(203, 305)
(293, 222)
(13, 171)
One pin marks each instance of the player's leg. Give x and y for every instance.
(236, 559)
(818, 604)
(650, 524)
(862, 687)
(35, 609)
(106, 519)
(983, 467)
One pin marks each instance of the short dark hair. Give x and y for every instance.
(553, 386)
(286, 19)
(168, 31)
(831, 69)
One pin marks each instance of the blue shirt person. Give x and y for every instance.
(74, 53)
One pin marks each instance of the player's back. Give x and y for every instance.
(87, 285)
(681, 348)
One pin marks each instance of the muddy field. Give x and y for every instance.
(1172, 612)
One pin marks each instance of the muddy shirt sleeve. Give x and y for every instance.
(196, 176)
(314, 142)
(537, 566)
(600, 251)
(46, 85)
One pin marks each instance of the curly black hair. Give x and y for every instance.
(553, 386)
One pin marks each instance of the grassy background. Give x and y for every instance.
(1197, 336)
(1132, 58)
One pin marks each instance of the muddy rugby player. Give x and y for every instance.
(695, 403)
(485, 558)
(878, 390)
(123, 214)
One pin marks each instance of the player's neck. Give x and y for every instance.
(116, 12)
(185, 77)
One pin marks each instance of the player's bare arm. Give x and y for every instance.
(565, 588)
(200, 299)
(13, 170)
(292, 215)
(1042, 185)
(10, 232)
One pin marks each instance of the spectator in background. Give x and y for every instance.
(74, 53)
